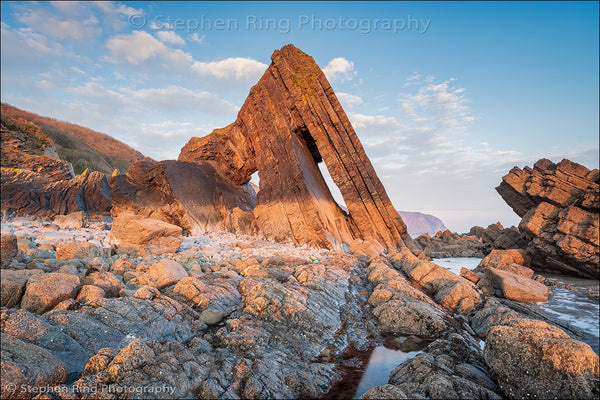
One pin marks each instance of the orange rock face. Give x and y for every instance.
(290, 122)
(559, 204)
(193, 196)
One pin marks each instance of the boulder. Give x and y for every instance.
(78, 250)
(163, 273)
(8, 248)
(13, 286)
(44, 291)
(500, 258)
(74, 220)
(513, 287)
(109, 283)
(290, 122)
(193, 196)
(532, 359)
(145, 235)
(90, 293)
(559, 205)
(27, 367)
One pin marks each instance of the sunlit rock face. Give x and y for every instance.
(290, 122)
(559, 204)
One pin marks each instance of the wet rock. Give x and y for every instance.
(453, 292)
(534, 359)
(44, 291)
(13, 286)
(450, 367)
(513, 287)
(383, 392)
(145, 235)
(410, 317)
(26, 365)
(78, 250)
(8, 248)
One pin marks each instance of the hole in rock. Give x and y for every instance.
(303, 133)
(255, 181)
(333, 189)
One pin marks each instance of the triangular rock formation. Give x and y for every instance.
(291, 121)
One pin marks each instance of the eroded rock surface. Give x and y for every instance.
(145, 235)
(194, 196)
(289, 123)
(559, 204)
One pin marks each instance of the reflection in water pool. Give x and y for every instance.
(381, 364)
(564, 305)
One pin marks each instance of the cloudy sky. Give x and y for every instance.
(445, 97)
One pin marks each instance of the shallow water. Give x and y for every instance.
(454, 264)
(564, 306)
(381, 363)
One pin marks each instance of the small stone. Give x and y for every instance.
(211, 317)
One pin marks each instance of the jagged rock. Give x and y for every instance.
(194, 196)
(451, 367)
(13, 286)
(44, 291)
(559, 204)
(8, 248)
(289, 123)
(145, 235)
(25, 146)
(451, 291)
(447, 244)
(78, 250)
(532, 359)
(27, 366)
(496, 237)
(29, 193)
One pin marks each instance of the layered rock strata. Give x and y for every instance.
(559, 204)
(290, 122)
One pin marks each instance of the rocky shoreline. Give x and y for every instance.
(179, 279)
(236, 316)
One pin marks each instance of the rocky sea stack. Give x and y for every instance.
(179, 279)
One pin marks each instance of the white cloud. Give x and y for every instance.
(339, 68)
(141, 48)
(349, 100)
(170, 37)
(197, 38)
(176, 99)
(231, 68)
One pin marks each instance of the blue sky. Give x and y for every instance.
(445, 97)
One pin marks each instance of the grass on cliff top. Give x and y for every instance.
(82, 147)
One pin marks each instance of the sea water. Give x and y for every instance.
(565, 306)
